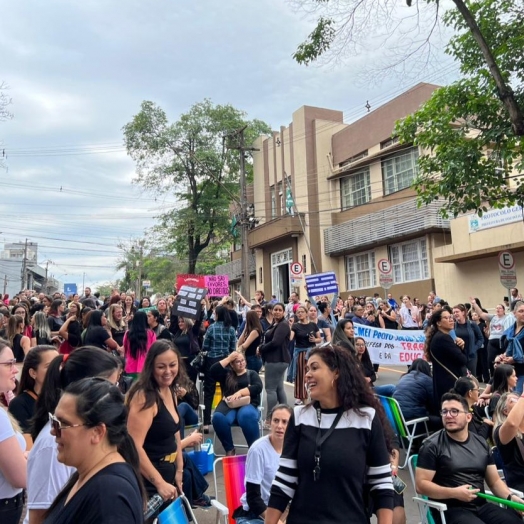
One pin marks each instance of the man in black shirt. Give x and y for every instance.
(453, 465)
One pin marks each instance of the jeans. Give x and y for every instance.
(188, 416)
(520, 384)
(246, 417)
(11, 511)
(249, 520)
(276, 394)
(385, 390)
(472, 365)
(254, 363)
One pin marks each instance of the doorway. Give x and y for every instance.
(281, 285)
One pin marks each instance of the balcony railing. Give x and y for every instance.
(234, 269)
(394, 222)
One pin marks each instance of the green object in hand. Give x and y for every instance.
(509, 503)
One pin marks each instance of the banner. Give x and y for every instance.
(186, 279)
(217, 285)
(187, 303)
(321, 284)
(392, 346)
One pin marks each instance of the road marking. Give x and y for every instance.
(394, 370)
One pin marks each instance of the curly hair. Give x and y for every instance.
(352, 390)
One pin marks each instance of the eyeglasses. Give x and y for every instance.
(58, 426)
(9, 363)
(451, 412)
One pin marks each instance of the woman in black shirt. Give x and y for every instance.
(97, 335)
(305, 334)
(249, 341)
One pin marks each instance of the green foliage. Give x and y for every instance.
(471, 153)
(317, 43)
(189, 160)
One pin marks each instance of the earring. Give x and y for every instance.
(333, 383)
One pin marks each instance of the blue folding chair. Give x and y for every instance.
(178, 512)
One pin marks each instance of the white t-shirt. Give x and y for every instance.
(6, 431)
(45, 475)
(261, 467)
(410, 316)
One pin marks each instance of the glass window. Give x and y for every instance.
(410, 261)
(399, 171)
(273, 202)
(360, 271)
(355, 189)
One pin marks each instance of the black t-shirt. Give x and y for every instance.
(92, 505)
(302, 332)
(513, 461)
(456, 463)
(55, 323)
(22, 407)
(96, 336)
(118, 335)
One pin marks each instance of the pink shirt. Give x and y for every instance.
(135, 365)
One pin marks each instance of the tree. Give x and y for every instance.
(344, 24)
(472, 155)
(189, 160)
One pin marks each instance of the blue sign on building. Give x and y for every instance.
(70, 289)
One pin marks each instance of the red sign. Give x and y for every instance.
(190, 280)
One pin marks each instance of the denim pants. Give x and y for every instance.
(254, 363)
(386, 390)
(275, 391)
(254, 519)
(246, 417)
(188, 416)
(11, 509)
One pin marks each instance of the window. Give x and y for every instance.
(399, 171)
(273, 202)
(355, 189)
(410, 261)
(353, 159)
(360, 271)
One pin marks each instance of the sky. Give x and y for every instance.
(77, 72)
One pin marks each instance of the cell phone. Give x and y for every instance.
(398, 485)
(311, 334)
(453, 335)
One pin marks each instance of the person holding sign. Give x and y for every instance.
(453, 465)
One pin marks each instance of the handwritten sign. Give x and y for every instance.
(187, 303)
(321, 284)
(217, 285)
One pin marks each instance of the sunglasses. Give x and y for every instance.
(58, 426)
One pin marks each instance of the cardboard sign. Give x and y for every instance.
(321, 284)
(186, 279)
(187, 303)
(217, 285)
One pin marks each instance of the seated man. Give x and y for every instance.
(262, 464)
(453, 465)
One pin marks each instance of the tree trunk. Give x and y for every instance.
(505, 92)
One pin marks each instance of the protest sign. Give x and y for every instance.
(321, 284)
(392, 346)
(187, 303)
(217, 285)
(187, 279)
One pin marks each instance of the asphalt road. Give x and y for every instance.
(389, 375)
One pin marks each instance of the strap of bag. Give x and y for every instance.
(442, 365)
(322, 438)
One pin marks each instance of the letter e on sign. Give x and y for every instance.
(296, 268)
(507, 269)
(384, 266)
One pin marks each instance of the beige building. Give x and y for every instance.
(353, 206)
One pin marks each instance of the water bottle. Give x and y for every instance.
(153, 505)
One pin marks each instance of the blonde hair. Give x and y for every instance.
(111, 320)
(499, 417)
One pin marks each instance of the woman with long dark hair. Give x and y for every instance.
(71, 330)
(154, 424)
(34, 370)
(447, 355)
(89, 425)
(97, 334)
(54, 316)
(237, 383)
(354, 452)
(45, 475)
(220, 340)
(275, 353)
(23, 310)
(344, 335)
(504, 381)
(368, 370)
(470, 333)
(185, 332)
(129, 308)
(249, 341)
(137, 341)
(19, 342)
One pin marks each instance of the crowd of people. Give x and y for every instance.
(112, 383)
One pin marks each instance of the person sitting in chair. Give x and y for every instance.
(261, 467)
(453, 465)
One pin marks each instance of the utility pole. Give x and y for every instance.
(24, 268)
(140, 263)
(46, 285)
(84, 284)
(246, 220)
(5, 284)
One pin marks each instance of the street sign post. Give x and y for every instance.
(507, 271)
(385, 274)
(296, 269)
(146, 283)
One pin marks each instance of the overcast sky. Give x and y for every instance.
(78, 71)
